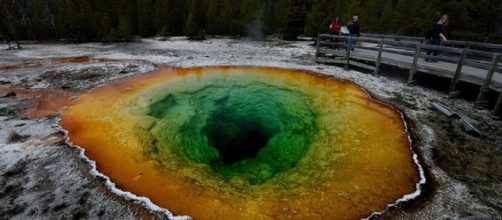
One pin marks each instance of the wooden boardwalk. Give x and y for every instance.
(479, 67)
(445, 69)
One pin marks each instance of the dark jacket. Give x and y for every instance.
(354, 28)
(436, 30)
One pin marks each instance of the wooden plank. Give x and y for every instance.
(340, 53)
(395, 37)
(443, 49)
(464, 44)
(439, 58)
(401, 44)
(362, 65)
(389, 61)
(358, 61)
(405, 53)
(435, 71)
(368, 39)
(331, 43)
(317, 46)
(474, 44)
(379, 58)
(458, 71)
(365, 47)
(331, 61)
(397, 63)
(488, 79)
(479, 53)
(348, 53)
(413, 67)
(333, 37)
(483, 66)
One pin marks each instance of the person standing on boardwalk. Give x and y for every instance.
(435, 35)
(334, 29)
(353, 27)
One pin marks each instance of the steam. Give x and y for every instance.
(254, 30)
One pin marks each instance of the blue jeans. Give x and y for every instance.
(435, 42)
(353, 39)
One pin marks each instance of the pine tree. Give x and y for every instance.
(230, 11)
(37, 16)
(191, 29)
(123, 31)
(194, 27)
(318, 19)
(105, 27)
(176, 16)
(372, 13)
(387, 21)
(111, 36)
(291, 17)
(161, 21)
(92, 20)
(214, 18)
(351, 9)
(9, 22)
(146, 12)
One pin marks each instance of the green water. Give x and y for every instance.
(249, 131)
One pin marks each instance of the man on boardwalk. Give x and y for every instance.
(353, 27)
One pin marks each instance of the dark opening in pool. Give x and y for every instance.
(249, 131)
(235, 138)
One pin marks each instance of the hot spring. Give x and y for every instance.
(247, 143)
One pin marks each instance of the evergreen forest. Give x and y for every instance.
(124, 20)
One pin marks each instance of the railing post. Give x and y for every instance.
(458, 72)
(498, 106)
(379, 58)
(413, 68)
(489, 75)
(317, 46)
(348, 53)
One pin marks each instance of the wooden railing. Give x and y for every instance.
(480, 67)
(497, 48)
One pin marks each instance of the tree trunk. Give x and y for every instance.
(8, 19)
(7, 41)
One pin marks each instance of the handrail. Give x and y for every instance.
(474, 44)
(395, 37)
(442, 48)
(376, 45)
(464, 44)
(398, 43)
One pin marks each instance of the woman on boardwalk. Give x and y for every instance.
(435, 35)
(335, 27)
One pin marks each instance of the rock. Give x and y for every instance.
(14, 137)
(10, 94)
